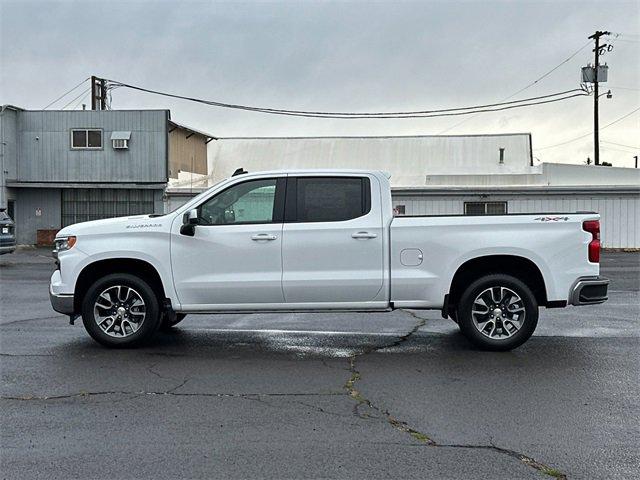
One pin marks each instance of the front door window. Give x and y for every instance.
(244, 203)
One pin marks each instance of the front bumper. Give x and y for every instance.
(62, 303)
(589, 291)
(7, 248)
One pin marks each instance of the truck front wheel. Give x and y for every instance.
(497, 312)
(120, 310)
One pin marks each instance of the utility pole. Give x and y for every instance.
(103, 94)
(596, 134)
(98, 97)
(93, 92)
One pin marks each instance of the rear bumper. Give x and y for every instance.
(61, 303)
(589, 291)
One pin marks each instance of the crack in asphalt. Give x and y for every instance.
(361, 402)
(168, 392)
(424, 439)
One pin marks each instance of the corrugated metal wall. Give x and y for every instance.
(620, 214)
(86, 204)
(8, 149)
(45, 154)
(62, 207)
(28, 200)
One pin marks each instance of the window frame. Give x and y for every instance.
(291, 197)
(86, 130)
(486, 204)
(278, 203)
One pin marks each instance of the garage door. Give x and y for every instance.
(84, 204)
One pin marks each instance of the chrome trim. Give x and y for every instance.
(62, 303)
(581, 283)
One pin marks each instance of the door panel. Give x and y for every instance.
(235, 254)
(225, 265)
(332, 261)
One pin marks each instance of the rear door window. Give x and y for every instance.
(328, 199)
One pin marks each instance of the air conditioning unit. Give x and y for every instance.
(120, 143)
(120, 140)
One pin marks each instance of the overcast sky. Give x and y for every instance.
(346, 56)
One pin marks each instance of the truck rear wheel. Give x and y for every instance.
(120, 310)
(498, 312)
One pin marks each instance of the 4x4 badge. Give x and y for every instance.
(551, 219)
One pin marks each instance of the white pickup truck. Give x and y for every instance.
(322, 240)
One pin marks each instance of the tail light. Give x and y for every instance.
(593, 227)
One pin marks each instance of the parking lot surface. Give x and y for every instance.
(357, 395)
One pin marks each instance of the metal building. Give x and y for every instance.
(447, 175)
(64, 167)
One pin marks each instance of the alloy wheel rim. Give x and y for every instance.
(119, 311)
(498, 313)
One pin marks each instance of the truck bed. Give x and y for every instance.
(554, 242)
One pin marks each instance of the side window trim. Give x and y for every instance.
(291, 203)
(278, 202)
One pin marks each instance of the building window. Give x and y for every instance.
(399, 210)
(485, 208)
(85, 138)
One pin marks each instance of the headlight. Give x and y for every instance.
(64, 243)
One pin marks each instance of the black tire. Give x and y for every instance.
(170, 320)
(147, 328)
(482, 340)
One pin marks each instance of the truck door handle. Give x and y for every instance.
(263, 236)
(363, 235)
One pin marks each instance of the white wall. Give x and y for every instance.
(408, 159)
(620, 214)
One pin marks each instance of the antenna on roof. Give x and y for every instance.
(239, 171)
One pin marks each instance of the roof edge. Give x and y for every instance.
(528, 134)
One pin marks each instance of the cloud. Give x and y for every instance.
(329, 56)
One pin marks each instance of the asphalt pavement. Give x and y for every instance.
(389, 395)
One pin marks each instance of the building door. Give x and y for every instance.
(85, 204)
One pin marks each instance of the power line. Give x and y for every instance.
(606, 147)
(627, 40)
(80, 101)
(620, 144)
(82, 94)
(551, 71)
(66, 93)
(366, 115)
(590, 133)
(544, 75)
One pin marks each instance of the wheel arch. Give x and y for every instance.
(519, 267)
(132, 266)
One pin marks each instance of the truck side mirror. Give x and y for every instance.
(189, 222)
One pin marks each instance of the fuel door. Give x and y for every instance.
(411, 257)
